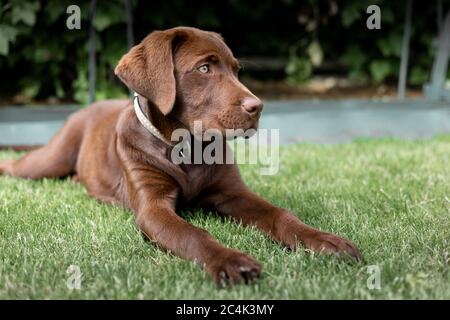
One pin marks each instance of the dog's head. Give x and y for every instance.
(193, 76)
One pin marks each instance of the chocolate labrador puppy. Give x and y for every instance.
(121, 152)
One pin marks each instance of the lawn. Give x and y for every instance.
(391, 197)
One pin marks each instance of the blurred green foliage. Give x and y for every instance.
(41, 58)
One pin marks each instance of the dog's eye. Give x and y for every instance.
(204, 68)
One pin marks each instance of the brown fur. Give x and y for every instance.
(118, 161)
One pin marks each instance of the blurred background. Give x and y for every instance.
(302, 52)
(289, 48)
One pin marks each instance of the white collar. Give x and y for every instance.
(185, 149)
(146, 123)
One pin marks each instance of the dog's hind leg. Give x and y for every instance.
(56, 159)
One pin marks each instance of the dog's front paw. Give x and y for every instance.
(233, 267)
(323, 242)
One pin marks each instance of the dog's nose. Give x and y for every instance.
(252, 105)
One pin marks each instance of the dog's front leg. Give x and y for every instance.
(154, 205)
(283, 225)
(235, 200)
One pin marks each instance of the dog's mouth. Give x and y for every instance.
(229, 127)
(238, 124)
(227, 133)
(245, 132)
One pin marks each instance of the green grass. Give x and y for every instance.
(391, 197)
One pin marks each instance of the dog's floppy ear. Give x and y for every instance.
(148, 69)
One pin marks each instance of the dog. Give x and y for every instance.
(121, 152)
